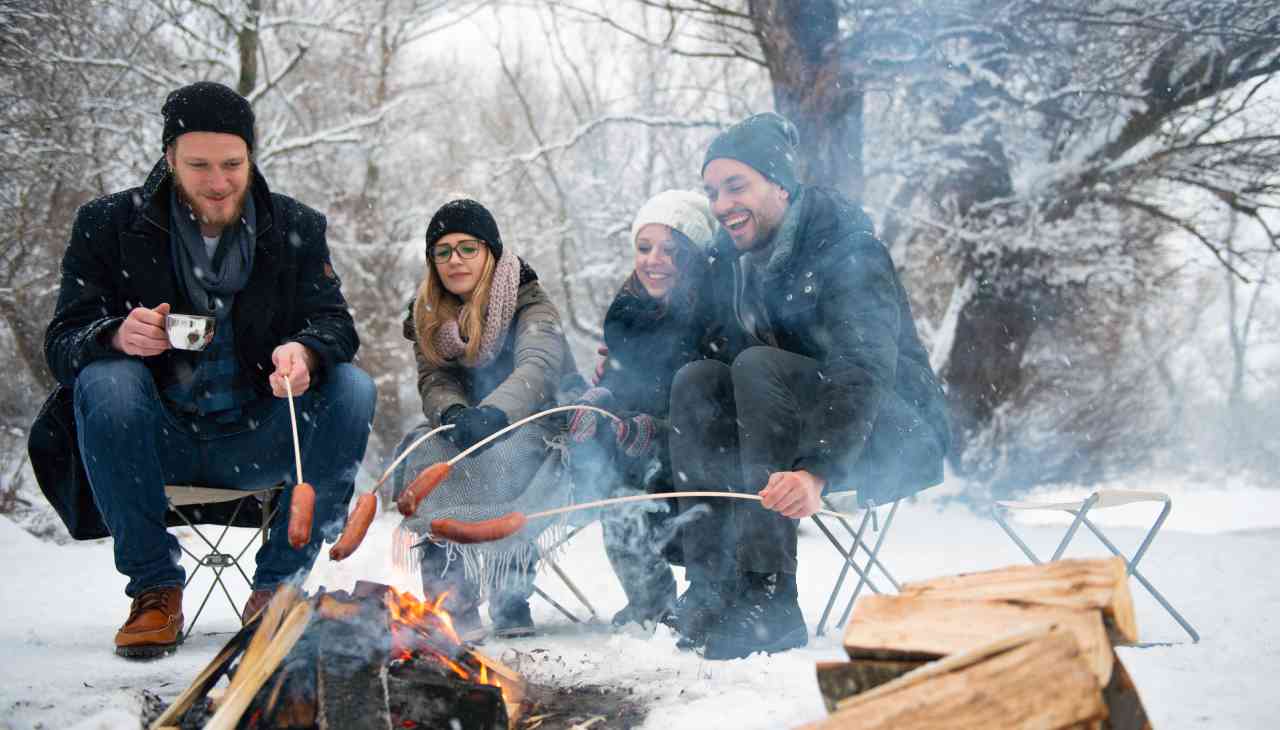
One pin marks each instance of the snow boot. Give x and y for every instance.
(154, 626)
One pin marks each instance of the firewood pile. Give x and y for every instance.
(371, 658)
(1021, 647)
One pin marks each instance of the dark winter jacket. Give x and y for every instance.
(525, 376)
(119, 258)
(648, 342)
(831, 293)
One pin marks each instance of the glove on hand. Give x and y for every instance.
(582, 426)
(635, 435)
(473, 424)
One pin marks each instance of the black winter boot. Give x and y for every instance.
(765, 617)
(699, 609)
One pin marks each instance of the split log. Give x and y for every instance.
(1123, 702)
(425, 701)
(208, 677)
(838, 680)
(909, 628)
(998, 685)
(1088, 584)
(250, 677)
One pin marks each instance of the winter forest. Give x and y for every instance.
(1081, 197)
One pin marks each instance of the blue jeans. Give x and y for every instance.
(133, 446)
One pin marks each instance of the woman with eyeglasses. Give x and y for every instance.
(650, 333)
(490, 350)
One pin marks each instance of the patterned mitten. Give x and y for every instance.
(582, 427)
(635, 435)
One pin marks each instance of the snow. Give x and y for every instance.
(64, 603)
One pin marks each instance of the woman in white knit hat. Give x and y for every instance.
(650, 331)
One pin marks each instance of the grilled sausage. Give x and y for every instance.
(424, 484)
(466, 533)
(302, 509)
(357, 527)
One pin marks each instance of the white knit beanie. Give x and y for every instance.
(682, 210)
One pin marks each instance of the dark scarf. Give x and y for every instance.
(211, 285)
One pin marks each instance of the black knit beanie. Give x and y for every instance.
(207, 106)
(465, 215)
(766, 142)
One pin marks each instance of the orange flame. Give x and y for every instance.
(406, 608)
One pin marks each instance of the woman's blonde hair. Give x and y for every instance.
(436, 305)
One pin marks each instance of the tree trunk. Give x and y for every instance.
(247, 40)
(800, 40)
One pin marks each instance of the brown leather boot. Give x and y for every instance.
(258, 600)
(154, 626)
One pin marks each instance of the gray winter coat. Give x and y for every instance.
(525, 376)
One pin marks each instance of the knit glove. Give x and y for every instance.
(635, 435)
(582, 426)
(473, 424)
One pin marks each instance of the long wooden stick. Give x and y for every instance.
(635, 498)
(558, 409)
(409, 450)
(661, 495)
(293, 424)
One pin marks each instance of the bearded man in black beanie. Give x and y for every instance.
(815, 382)
(203, 236)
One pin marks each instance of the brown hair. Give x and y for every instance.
(436, 305)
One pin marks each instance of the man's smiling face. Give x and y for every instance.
(747, 204)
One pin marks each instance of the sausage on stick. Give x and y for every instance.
(433, 475)
(366, 508)
(466, 533)
(302, 505)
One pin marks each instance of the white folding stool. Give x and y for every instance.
(216, 560)
(1100, 499)
(869, 518)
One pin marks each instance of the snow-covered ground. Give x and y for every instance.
(1214, 561)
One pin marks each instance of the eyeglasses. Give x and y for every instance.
(467, 249)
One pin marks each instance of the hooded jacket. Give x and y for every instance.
(830, 292)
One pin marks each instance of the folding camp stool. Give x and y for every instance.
(1100, 499)
(215, 559)
(850, 555)
(546, 557)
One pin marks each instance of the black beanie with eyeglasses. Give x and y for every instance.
(766, 142)
(206, 106)
(465, 215)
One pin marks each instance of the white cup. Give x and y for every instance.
(189, 331)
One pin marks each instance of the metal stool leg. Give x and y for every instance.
(884, 532)
(849, 561)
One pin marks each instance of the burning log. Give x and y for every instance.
(374, 658)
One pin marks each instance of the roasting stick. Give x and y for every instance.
(463, 532)
(366, 508)
(302, 505)
(431, 477)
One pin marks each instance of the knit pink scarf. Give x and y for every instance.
(503, 290)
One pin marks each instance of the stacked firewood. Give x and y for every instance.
(1021, 647)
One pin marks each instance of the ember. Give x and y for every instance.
(372, 658)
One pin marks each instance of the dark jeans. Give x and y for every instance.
(733, 426)
(133, 446)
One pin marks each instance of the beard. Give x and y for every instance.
(208, 215)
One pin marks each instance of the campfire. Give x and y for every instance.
(371, 658)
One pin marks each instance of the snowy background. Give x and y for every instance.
(1213, 561)
(1081, 199)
